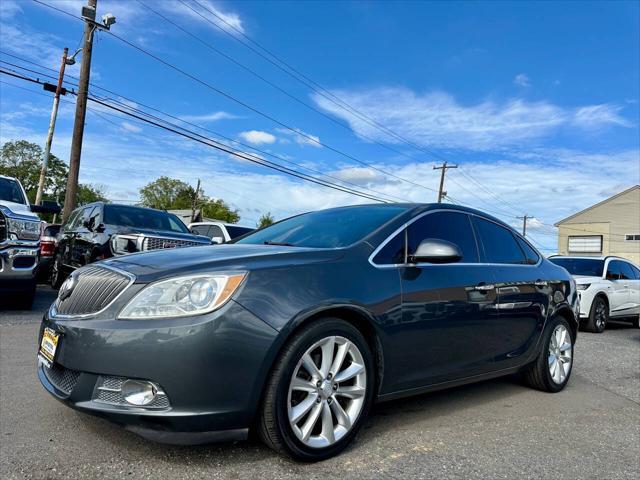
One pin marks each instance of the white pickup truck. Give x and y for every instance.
(19, 244)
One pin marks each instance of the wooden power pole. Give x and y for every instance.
(89, 13)
(524, 224)
(52, 127)
(194, 203)
(443, 167)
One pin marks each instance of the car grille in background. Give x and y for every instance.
(109, 391)
(95, 289)
(3, 227)
(64, 379)
(156, 243)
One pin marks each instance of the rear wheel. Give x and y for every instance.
(57, 273)
(598, 316)
(552, 368)
(319, 392)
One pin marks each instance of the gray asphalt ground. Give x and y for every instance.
(496, 429)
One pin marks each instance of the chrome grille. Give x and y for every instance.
(109, 391)
(95, 288)
(3, 227)
(157, 243)
(64, 379)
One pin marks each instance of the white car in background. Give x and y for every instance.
(609, 287)
(219, 232)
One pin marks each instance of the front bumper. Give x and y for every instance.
(18, 264)
(211, 368)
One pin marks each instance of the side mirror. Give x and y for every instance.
(217, 240)
(432, 250)
(46, 207)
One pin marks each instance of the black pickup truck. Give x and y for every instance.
(101, 230)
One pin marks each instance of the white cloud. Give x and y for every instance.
(207, 14)
(300, 137)
(522, 80)
(209, 117)
(130, 127)
(358, 175)
(438, 119)
(258, 137)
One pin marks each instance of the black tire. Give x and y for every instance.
(598, 315)
(57, 273)
(636, 322)
(273, 423)
(538, 375)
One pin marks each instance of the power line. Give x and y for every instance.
(262, 152)
(247, 106)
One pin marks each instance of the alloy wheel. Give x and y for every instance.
(327, 392)
(560, 354)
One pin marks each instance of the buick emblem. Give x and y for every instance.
(67, 287)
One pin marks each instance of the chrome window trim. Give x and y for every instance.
(132, 279)
(467, 264)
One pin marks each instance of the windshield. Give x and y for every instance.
(10, 191)
(338, 227)
(143, 218)
(591, 267)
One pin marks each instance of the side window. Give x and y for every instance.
(453, 227)
(392, 252)
(613, 270)
(499, 244)
(636, 272)
(216, 231)
(530, 254)
(72, 218)
(200, 229)
(626, 271)
(174, 225)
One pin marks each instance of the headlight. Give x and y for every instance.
(123, 244)
(183, 296)
(583, 286)
(24, 229)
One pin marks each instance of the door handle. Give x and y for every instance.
(484, 287)
(541, 283)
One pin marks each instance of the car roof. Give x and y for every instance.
(586, 257)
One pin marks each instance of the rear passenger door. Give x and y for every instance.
(634, 289)
(620, 290)
(522, 290)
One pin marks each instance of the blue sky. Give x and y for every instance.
(536, 101)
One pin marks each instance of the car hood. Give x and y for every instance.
(583, 279)
(160, 264)
(19, 209)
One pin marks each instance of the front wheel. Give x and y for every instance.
(319, 392)
(552, 368)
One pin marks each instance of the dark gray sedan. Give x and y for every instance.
(295, 329)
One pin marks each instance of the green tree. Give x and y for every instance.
(171, 194)
(266, 220)
(23, 160)
(88, 193)
(165, 193)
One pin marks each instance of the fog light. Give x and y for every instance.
(138, 393)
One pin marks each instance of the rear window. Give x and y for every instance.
(235, 231)
(143, 218)
(591, 267)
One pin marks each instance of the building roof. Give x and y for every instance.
(597, 204)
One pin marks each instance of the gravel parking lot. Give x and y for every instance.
(495, 429)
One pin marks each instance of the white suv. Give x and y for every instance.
(609, 287)
(219, 232)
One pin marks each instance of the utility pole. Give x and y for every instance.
(443, 167)
(52, 126)
(194, 203)
(524, 224)
(89, 14)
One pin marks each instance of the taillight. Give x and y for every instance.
(47, 246)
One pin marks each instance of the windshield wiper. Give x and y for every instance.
(280, 244)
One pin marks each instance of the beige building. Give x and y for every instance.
(611, 227)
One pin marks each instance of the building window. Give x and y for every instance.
(632, 237)
(585, 244)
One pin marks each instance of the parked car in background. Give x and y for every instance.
(609, 287)
(219, 232)
(295, 329)
(101, 230)
(48, 242)
(19, 243)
